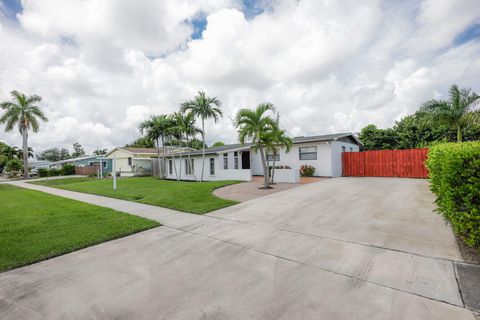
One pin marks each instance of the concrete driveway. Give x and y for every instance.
(346, 248)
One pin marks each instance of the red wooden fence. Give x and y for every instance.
(86, 171)
(408, 163)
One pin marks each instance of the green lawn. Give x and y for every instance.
(35, 226)
(194, 197)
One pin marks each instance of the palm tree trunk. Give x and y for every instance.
(190, 162)
(164, 165)
(273, 167)
(158, 155)
(174, 165)
(265, 169)
(459, 134)
(25, 152)
(203, 147)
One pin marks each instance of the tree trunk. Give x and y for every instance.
(266, 185)
(164, 165)
(203, 148)
(459, 134)
(190, 162)
(25, 152)
(158, 156)
(273, 167)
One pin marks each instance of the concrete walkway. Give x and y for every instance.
(339, 249)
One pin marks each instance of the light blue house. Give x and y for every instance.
(86, 161)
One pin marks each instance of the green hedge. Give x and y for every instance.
(66, 170)
(454, 170)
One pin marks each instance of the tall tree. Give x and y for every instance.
(374, 138)
(277, 139)
(185, 129)
(157, 128)
(255, 125)
(22, 112)
(100, 152)
(78, 150)
(203, 107)
(54, 154)
(218, 144)
(457, 112)
(142, 142)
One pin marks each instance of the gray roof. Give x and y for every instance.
(229, 147)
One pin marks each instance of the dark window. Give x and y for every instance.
(225, 161)
(212, 166)
(129, 161)
(344, 149)
(170, 166)
(270, 157)
(235, 159)
(307, 153)
(351, 149)
(189, 167)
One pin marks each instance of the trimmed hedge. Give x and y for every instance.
(454, 170)
(66, 170)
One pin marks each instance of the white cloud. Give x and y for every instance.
(102, 67)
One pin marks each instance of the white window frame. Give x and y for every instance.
(300, 153)
(225, 161)
(189, 168)
(270, 157)
(212, 166)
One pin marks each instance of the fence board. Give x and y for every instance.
(409, 163)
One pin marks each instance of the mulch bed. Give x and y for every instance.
(469, 254)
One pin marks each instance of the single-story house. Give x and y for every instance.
(130, 162)
(240, 162)
(85, 162)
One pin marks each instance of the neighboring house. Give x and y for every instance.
(240, 162)
(40, 164)
(130, 162)
(85, 162)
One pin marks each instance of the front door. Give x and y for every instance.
(246, 160)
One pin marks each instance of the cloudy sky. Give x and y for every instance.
(102, 66)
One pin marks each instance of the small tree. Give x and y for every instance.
(276, 139)
(203, 107)
(457, 112)
(256, 125)
(22, 112)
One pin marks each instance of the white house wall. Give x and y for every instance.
(220, 173)
(323, 163)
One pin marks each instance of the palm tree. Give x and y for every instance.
(157, 128)
(256, 125)
(457, 112)
(22, 112)
(9, 152)
(203, 107)
(20, 153)
(186, 129)
(277, 139)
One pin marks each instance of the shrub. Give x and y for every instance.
(454, 170)
(54, 172)
(307, 171)
(13, 165)
(68, 169)
(42, 172)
